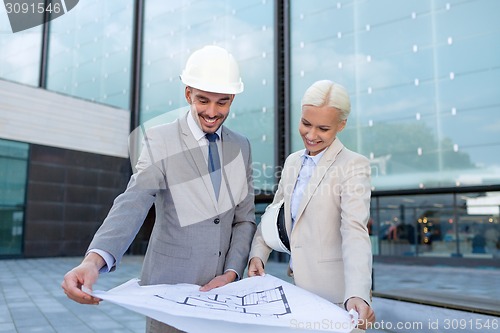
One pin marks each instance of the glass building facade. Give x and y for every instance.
(421, 75)
(246, 29)
(424, 105)
(422, 84)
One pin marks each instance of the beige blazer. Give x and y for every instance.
(330, 246)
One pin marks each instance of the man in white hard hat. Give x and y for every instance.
(198, 175)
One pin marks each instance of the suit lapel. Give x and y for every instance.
(193, 147)
(323, 166)
(234, 171)
(289, 181)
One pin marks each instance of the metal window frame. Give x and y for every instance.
(282, 82)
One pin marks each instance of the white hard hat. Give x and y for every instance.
(212, 69)
(273, 228)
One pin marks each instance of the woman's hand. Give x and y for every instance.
(366, 314)
(256, 267)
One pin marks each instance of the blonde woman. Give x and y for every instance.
(326, 192)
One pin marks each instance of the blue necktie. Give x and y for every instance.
(214, 162)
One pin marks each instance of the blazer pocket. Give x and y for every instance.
(172, 250)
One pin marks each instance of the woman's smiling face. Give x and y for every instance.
(319, 126)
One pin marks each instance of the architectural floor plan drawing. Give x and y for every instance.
(261, 303)
(271, 302)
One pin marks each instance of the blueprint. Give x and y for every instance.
(271, 302)
(244, 306)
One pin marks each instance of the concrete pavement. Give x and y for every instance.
(31, 299)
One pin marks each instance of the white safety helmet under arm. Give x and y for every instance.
(273, 228)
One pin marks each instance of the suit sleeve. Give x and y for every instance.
(355, 212)
(243, 227)
(130, 208)
(259, 247)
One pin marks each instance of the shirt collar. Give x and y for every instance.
(196, 130)
(315, 158)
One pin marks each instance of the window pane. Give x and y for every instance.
(20, 53)
(415, 225)
(13, 167)
(90, 52)
(437, 226)
(478, 226)
(245, 28)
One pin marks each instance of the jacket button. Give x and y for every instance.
(220, 253)
(216, 221)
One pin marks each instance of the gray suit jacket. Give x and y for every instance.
(195, 237)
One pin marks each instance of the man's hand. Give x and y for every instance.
(256, 267)
(219, 281)
(83, 275)
(366, 314)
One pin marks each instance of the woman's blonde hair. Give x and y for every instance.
(326, 92)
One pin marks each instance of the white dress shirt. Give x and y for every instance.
(308, 165)
(306, 170)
